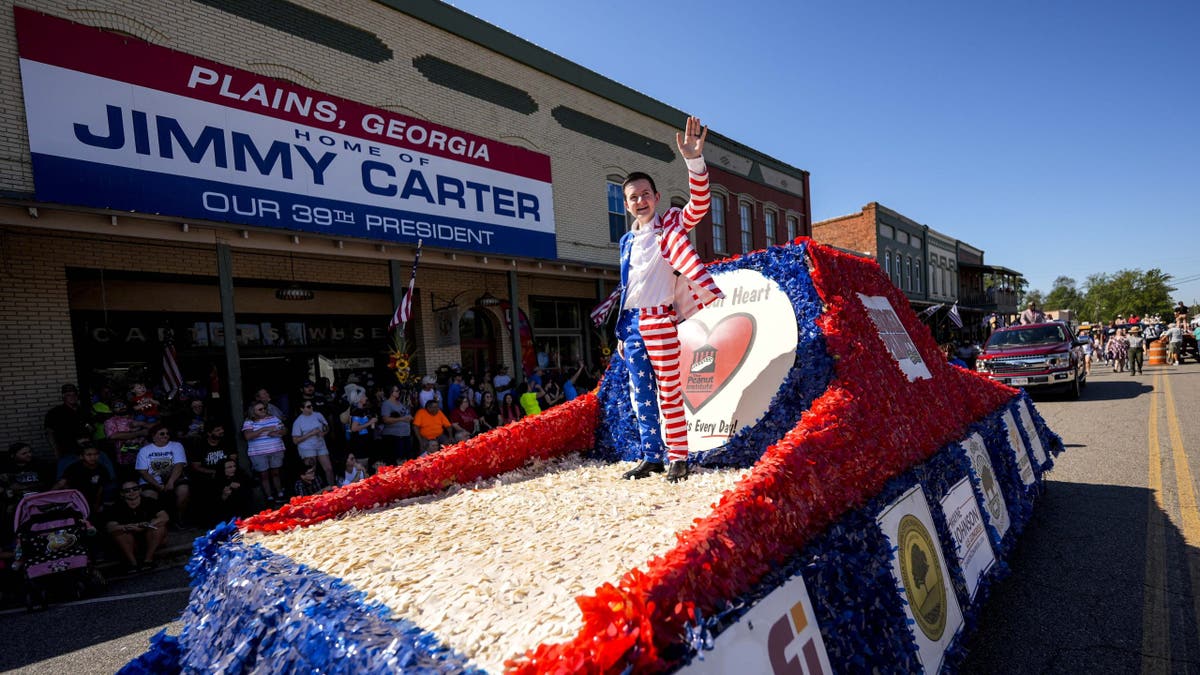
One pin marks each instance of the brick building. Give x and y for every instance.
(931, 268)
(184, 168)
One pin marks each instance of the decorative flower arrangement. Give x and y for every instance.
(400, 358)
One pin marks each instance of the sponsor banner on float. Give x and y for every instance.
(1021, 454)
(778, 635)
(993, 499)
(895, 337)
(923, 578)
(971, 545)
(1035, 441)
(122, 124)
(734, 356)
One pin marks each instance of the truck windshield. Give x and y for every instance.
(1037, 335)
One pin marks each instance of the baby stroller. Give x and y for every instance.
(52, 543)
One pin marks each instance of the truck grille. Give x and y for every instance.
(1017, 364)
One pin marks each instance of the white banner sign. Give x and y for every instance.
(1020, 453)
(993, 500)
(920, 571)
(1039, 452)
(895, 337)
(971, 544)
(778, 636)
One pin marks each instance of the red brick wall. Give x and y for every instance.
(737, 189)
(856, 232)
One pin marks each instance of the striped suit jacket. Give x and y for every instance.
(695, 288)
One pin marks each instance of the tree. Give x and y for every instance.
(1064, 295)
(1034, 296)
(1128, 292)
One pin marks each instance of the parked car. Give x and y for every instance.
(1039, 356)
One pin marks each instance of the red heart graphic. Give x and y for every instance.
(708, 359)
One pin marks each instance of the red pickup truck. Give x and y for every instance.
(1035, 356)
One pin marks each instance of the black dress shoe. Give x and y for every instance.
(677, 471)
(643, 470)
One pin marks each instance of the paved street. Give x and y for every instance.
(1102, 582)
(1105, 580)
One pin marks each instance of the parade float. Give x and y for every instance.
(853, 498)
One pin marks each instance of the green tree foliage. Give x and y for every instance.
(1127, 292)
(1064, 295)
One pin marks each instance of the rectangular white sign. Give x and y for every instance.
(1035, 440)
(993, 499)
(971, 544)
(895, 337)
(1020, 453)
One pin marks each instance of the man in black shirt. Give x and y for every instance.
(67, 422)
(133, 521)
(87, 475)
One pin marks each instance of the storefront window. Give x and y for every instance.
(558, 332)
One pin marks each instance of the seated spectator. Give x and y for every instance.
(91, 478)
(232, 494)
(161, 464)
(464, 421)
(509, 410)
(66, 422)
(309, 483)
(143, 404)
(193, 419)
(134, 522)
(429, 391)
(432, 427)
(125, 435)
(354, 471)
(489, 412)
(264, 444)
(22, 474)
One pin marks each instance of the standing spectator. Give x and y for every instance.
(206, 459)
(429, 391)
(569, 389)
(464, 421)
(133, 521)
(1118, 350)
(125, 434)
(471, 389)
(309, 432)
(309, 483)
(264, 438)
(67, 422)
(264, 397)
(553, 392)
(502, 383)
(161, 463)
(231, 496)
(397, 425)
(88, 475)
(360, 432)
(1136, 346)
(432, 427)
(1032, 314)
(455, 388)
(484, 385)
(1181, 311)
(1174, 337)
(951, 355)
(1087, 353)
(195, 417)
(509, 410)
(489, 412)
(538, 378)
(530, 397)
(353, 390)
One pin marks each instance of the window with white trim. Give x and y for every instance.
(718, 221)
(770, 227)
(746, 215)
(618, 217)
(792, 224)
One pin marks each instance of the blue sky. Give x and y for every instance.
(1062, 138)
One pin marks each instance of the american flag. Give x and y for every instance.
(928, 311)
(600, 313)
(172, 379)
(954, 317)
(404, 310)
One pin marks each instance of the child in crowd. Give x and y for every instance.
(145, 407)
(354, 470)
(309, 483)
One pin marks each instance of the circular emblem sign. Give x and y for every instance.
(924, 581)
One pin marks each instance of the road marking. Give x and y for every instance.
(1187, 501)
(106, 598)
(1156, 644)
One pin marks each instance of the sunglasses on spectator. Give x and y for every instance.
(130, 491)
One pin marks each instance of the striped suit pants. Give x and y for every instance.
(651, 344)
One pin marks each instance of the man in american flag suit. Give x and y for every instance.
(664, 282)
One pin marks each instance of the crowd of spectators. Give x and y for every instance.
(147, 463)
